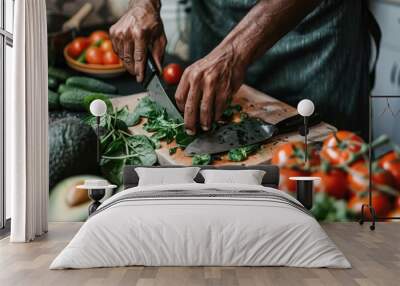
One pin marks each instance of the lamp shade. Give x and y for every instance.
(305, 107)
(98, 107)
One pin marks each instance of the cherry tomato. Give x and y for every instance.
(395, 212)
(96, 36)
(110, 58)
(77, 46)
(339, 147)
(172, 74)
(397, 202)
(94, 56)
(333, 183)
(359, 180)
(380, 202)
(391, 163)
(288, 185)
(106, 46)
(292, 154)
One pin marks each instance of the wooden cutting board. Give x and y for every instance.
(254, 103)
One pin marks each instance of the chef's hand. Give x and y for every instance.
(207, 86)
(141, 27)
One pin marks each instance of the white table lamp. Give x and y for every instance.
(98, 108)
(305, 108)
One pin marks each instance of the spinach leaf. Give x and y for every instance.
(130, 118)
(147, 107)
(201, 159)
(242, 153)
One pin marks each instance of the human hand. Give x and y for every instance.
(140, 28)
(207, 86)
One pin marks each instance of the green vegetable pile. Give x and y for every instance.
(68, 92)
(119, 147)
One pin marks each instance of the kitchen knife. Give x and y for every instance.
(249, 131)
(154, 86)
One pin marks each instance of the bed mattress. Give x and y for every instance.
(201, 225)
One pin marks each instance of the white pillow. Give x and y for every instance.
(166, 176)
(247, 177)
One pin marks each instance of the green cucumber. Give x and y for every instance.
(53, 100)
(63, 88)
(75, 99)
(91, 84)
(52, 83)
(59, 74)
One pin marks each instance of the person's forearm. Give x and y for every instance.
(266, 23)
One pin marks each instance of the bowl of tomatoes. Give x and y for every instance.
(94, 55)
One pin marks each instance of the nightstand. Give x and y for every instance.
(305, 190)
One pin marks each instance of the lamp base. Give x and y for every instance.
(373, 216)
(95, 195)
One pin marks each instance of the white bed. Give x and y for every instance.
(269, 229)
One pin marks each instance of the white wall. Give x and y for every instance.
(387, 111)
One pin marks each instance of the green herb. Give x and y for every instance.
(231, 109)
(159, 123)
(201, 159)
(172, 150)
(326, 208)
(241, 153)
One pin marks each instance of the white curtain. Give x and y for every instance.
(27, 123)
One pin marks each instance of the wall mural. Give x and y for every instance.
(137, 131)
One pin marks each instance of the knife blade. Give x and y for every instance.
(156, 90)
(247, 132)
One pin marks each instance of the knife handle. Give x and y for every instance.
(151, 69)
(293, 123)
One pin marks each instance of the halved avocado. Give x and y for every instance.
(67, 203)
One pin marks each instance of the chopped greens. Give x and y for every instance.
(172, 150)
(201, 159)
(242, 153)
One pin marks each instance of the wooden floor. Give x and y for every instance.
(375, 257)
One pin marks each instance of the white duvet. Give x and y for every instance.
(200, 231)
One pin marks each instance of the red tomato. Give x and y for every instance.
(288, 185)
(359, 180)
(77, 46)
(380, 202)
(110, 58)
(395, 213)
(94, 56)
(333, 183)
(106, 46)
(292, 154)
(339, 147)
(96, 36)
(397, 203)
(391, 163)
(172, 73)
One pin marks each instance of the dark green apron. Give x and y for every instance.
(325, 58)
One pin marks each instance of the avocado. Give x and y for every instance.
(61, 208)
(55, 115)
(72, 149)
